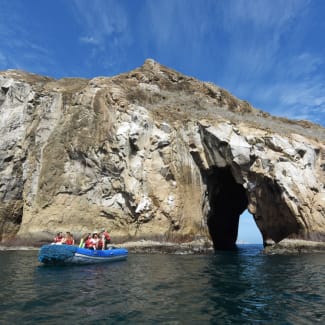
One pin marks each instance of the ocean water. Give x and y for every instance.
(240, 287)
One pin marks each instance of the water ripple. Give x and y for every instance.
(242, 287)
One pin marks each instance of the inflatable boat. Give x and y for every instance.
(68, 255)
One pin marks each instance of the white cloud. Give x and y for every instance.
(19, 49)
(105, 32)
(100, 20)
(89, 40)
(265, 14)
(263, 68)
(292, 99)
(303, 64)
(255, 30)
(304, 101)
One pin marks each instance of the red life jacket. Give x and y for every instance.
(58, 239)
(89, 243)
(69, 242)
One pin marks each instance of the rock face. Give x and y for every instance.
(152, 154)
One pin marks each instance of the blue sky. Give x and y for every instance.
(269, 52)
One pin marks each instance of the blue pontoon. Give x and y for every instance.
(67, 254)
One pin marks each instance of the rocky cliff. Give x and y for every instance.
(152, 154)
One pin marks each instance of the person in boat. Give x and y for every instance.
(101, 242)
(88, 242)
(83, 240)
(68, 240)
(91, 243)
(58, 238)
(106, 238)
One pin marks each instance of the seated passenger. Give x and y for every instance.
(88, 242)
(58, 238)
(83, 240)
(91, 242)
(68, 240)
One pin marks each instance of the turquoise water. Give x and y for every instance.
(242, 287)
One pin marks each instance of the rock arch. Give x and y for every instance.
(264, 175)
(228, 199)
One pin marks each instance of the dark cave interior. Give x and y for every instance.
(227, 201)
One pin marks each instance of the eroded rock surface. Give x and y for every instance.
(152, 154)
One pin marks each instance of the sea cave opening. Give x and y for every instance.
(248, 232)
(227, 200)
